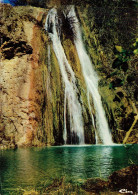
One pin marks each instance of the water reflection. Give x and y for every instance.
(38, 167)
(99, 162)
(74, 163)
(26, 171)
(4, 165)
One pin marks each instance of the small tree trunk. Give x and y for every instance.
(130, 130)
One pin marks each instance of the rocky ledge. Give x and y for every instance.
(124, 180)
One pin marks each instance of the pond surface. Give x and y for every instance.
(36, 167)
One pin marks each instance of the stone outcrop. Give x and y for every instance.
(31, 87)
(124, 180)
(22, 82)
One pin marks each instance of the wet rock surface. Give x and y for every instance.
(114, 57)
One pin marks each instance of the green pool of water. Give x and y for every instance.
(36, 167)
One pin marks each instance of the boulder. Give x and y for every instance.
(125, 178)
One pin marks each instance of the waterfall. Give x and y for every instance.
(71, 103)
(91, 80)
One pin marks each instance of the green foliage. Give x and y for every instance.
(121, 61)
(135, 51)
(113, 73)
(124, 55)
(111, 86)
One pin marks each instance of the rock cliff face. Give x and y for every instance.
(31, 87)
(110, 39)
(23, 78)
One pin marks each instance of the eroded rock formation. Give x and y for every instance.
(23, 70)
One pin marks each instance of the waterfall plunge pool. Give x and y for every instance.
(35, 167)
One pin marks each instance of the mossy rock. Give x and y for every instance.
(95, 185)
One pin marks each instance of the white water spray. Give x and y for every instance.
(71, 98)
(91, 80)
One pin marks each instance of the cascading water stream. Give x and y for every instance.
(71, 98)
(91, 79)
